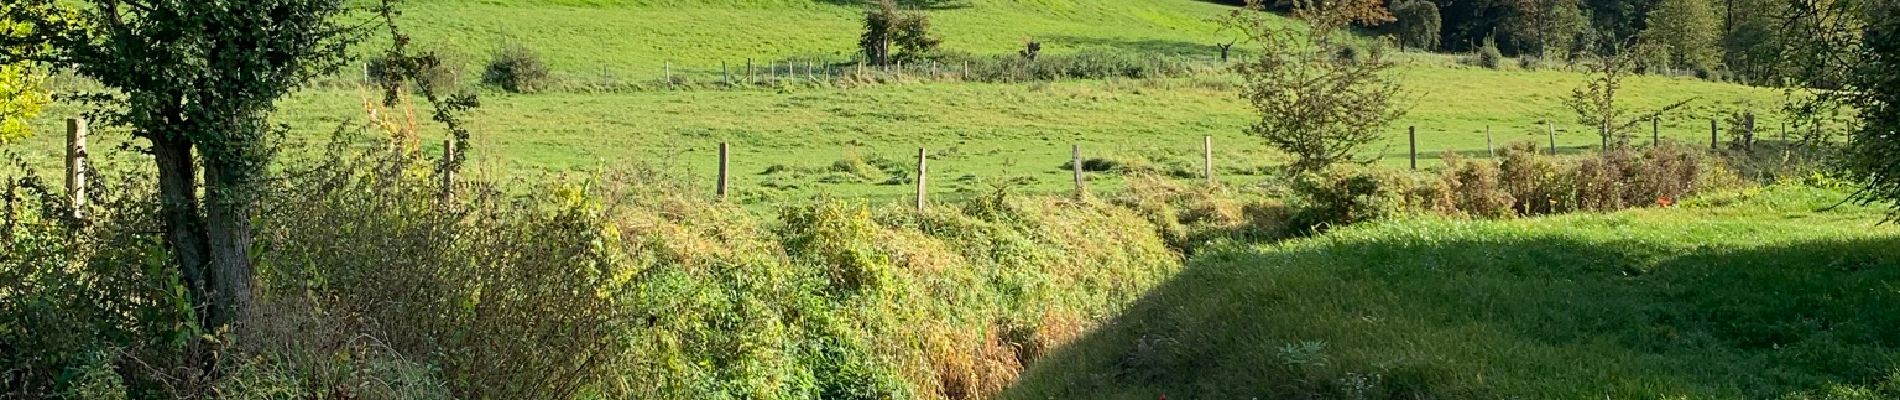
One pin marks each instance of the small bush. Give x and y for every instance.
(1536, 182)
(1473, 188)
(1343, 196)
(1489, 56)
(1350, 53)
(1096, 165)
(516, 68)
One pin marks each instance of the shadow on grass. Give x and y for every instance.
(1535, 318)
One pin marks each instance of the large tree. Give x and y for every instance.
(1545, 27)
(1856, 49)
(1691, 32)
(197, 79)
(891, 35)
(1419, 24)
(1753, 45)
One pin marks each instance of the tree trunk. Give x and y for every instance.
(228, 227)
(184, 228)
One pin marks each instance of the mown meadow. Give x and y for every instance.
(793, 141)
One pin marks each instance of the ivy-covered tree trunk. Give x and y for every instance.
(198, 79)
(228, 230)
(184, 230)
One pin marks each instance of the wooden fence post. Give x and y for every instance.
(1712, 141)
(724, 185)
(1411, 133)
(448, 167)
(1207, 159)
(76, 165)
(923, 178)
(1489, 148)
(1075, 162)
(1553, 137)
(749, 76)
(669, 74)
(1655, 131)
(725, 73)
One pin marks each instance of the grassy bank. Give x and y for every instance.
(1763, 294)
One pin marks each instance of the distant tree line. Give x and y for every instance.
(1744, 40)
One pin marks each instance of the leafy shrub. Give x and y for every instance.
(1616, 180)
(1419, 24)
(516, 68)
(1342, 196)
(1350, 54)
(1536, 183)
(1473, 188)
(501, 316)
(1488, 55)
(842, 239)
(90, 309)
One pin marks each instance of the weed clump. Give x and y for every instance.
(1488, 55)
(516, 68)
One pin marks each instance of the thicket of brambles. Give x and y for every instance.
(374, 283)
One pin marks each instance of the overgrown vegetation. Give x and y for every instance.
(640, 290)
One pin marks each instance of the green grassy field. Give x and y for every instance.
(637, 38)
(979, 133)
(1756, 295)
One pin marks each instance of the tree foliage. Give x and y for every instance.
(198, 81)
(1312, 104)
(21, 95)
(1690, 31)
(886, 29)
(1863, 39)
(1549, 28)
(1418, 24)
